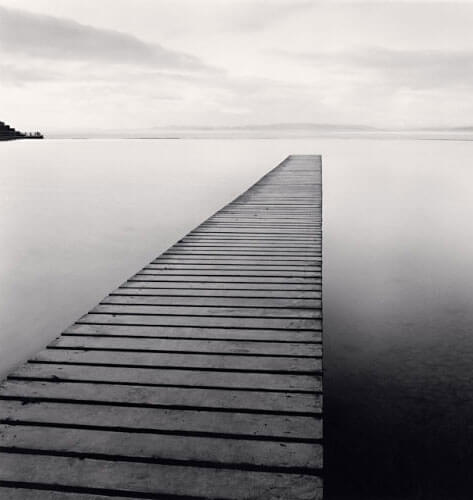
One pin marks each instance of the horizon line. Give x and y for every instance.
(281, 127)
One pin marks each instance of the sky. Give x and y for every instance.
(140, 64)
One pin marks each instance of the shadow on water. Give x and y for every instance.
(386, 438)
(398, 322)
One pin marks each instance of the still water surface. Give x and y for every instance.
(78, 217)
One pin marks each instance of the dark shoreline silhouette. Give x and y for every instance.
(8, 133)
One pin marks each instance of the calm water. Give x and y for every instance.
(79, 217)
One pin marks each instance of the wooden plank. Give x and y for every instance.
(208, 322)
(261, 217)
(183, 378)
(183, 361)
(251, 235)
(27, 493)
(143, 288)
(250, 241)
(169, 273)
(133, 477)
(285, 208)
(223, 254)
(183, 259)
(193, 333)
(270, 207)
(260, 427)
(270, 225)
(261, 253)
(257, 218)
(305, 268)
(291, 241)
(260, 228)
(142, 282)
(228, 280)
(268, 250)
(141, 306)
(162, 397)
(270, 244)
(292, 234)
(124, 297)
(237, 219)
(190, 346)
(219, 452)
(191, 262)
(233, 215)
(246, 261)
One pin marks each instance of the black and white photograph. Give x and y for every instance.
(236, 249)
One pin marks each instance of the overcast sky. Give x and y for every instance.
(118, 64)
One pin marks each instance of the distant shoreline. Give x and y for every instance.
(412, 137)
(20, 138)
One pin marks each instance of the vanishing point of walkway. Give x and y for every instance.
(198, 378)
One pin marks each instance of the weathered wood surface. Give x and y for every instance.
(198, 378)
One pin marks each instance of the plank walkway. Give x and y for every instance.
(198, 378)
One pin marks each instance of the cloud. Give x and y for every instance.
(54, 38)
(413, 69)
(256, 15)
(13, 74)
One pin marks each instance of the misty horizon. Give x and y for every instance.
(302, 130)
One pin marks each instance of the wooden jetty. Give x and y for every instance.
(198, 378)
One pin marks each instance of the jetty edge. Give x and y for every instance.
(198, 378)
